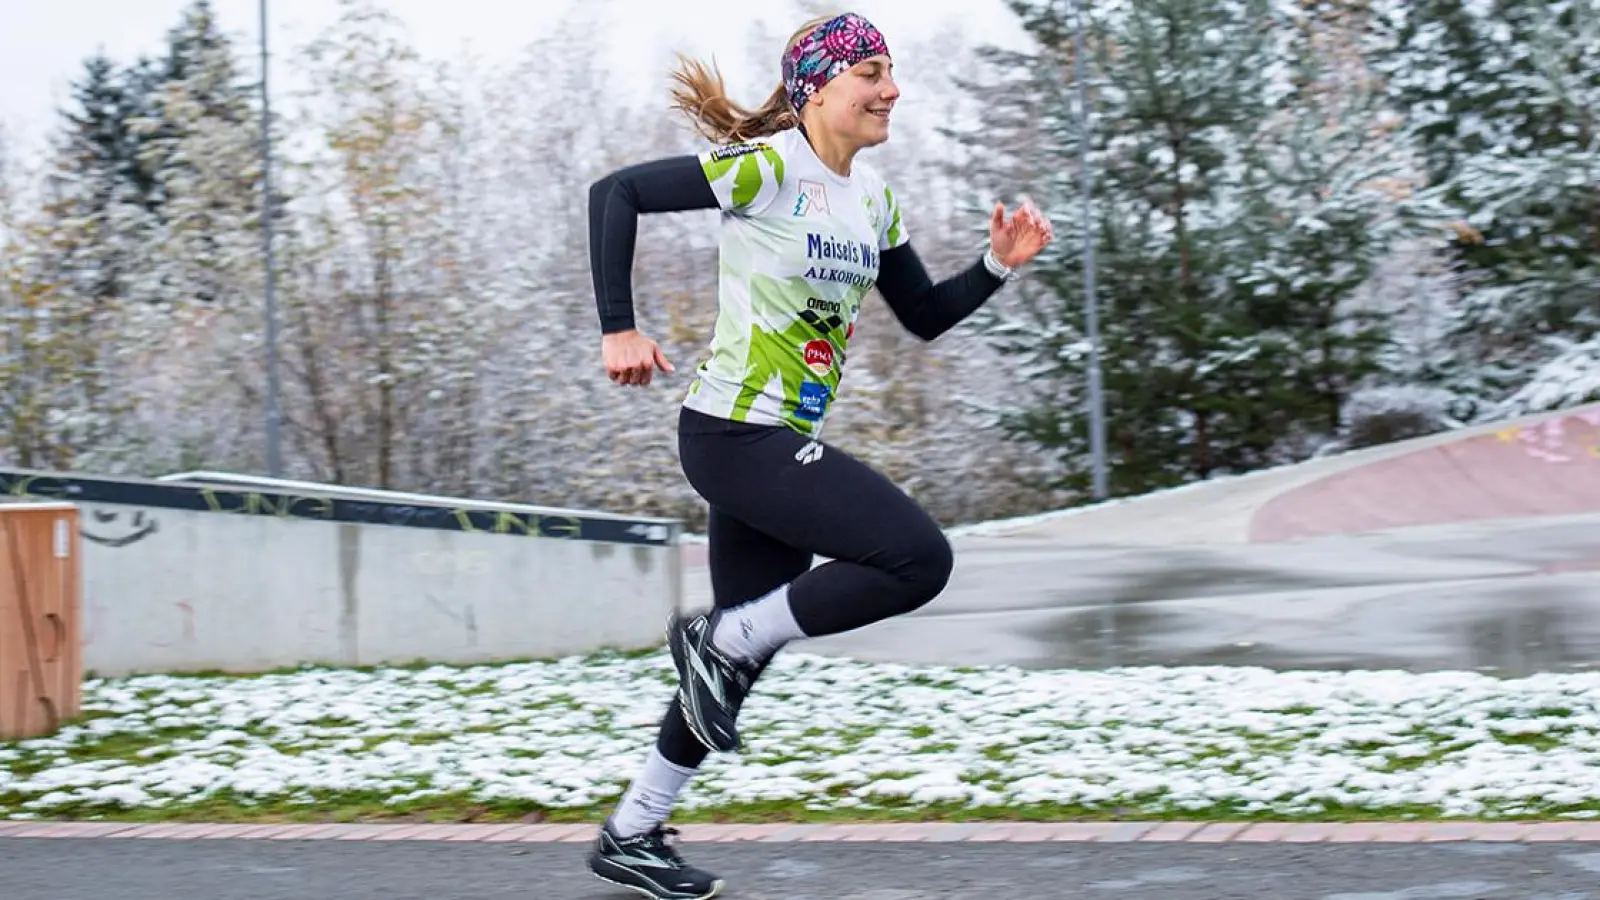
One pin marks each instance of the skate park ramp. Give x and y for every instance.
(1473, 549)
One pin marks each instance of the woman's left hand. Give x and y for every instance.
(1019, 238)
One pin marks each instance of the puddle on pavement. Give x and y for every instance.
(1189, 575)
(1515, 630)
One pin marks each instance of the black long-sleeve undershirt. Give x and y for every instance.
(928, 310)
(678, 184)
(673, 184)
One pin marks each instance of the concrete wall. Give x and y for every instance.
(216, 572)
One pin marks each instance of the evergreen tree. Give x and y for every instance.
(1503, 93)
(95, 177)
(1238, 206)
(1570, 378)
(201, 150)
(108, 100)
(1174, 85)
(141, 83)
(149, 200)
(1330, 188)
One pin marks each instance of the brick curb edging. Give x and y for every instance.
(939, 832)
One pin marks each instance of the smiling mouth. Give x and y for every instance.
(880, 113)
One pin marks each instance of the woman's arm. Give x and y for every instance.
(926, 309)
(670, 184)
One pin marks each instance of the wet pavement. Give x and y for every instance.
(273, 870)
(1506, 597)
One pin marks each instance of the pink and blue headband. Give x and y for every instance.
(829, 49)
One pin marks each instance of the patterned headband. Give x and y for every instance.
(829, 49)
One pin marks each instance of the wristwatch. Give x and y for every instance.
(997, 268)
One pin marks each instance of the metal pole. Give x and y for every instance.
(274, 450)
(1097, 417)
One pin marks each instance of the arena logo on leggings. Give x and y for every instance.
(808, 454)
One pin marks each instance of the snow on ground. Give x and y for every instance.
(837, 734)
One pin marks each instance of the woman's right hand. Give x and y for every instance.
(631, 358)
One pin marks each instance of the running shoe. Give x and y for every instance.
(647, 863)
(712, 686)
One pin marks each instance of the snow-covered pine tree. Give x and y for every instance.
(1174, 84)
(1242, 197)
(201, 147)
(1326, 190)
(97, 181)
(191, 331)
(1570, 378)
(1503, 93)
(137, 99)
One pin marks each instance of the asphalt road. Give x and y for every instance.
(72, 869)
(1509, 597)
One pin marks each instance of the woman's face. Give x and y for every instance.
(856, 104)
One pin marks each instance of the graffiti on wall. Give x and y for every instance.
(148, 496)
(117, 528)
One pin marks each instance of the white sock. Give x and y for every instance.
(753, 631)
(649, 799)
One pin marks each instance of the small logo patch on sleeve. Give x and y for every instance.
(733, 151)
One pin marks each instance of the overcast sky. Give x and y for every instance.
(43, 42)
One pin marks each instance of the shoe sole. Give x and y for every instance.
(716, 888)
(685, 679)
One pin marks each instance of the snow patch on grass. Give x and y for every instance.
(835, 735)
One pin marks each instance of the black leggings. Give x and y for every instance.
(777, 498)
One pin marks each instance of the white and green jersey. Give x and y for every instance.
(799, 250)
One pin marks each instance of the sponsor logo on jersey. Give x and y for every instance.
(830, 248)
(813, 401)
(847, 258)
(813, 198)
(821, 305)
(840, 276)
(818, 356)
(826, 246)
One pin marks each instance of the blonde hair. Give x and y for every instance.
(702, 96)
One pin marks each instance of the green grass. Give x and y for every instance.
(366, 807)
(1539, 742)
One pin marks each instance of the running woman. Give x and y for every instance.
(806, 231)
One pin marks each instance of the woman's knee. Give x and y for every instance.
(927, 562)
